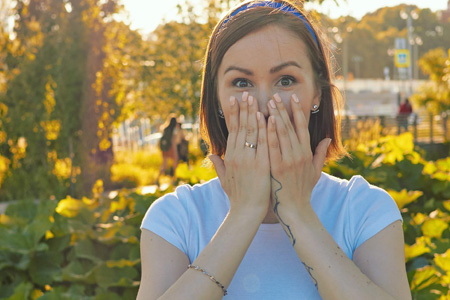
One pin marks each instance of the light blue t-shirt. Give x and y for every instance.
(352, 212)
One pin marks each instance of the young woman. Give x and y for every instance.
(272, 225)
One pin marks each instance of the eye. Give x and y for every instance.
(241, 83)
(286, 81)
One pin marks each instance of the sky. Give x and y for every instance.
(148, 14)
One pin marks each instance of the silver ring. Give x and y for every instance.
(247, 144)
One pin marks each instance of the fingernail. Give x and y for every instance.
(272, 104)
(272, 119)
(294, 96)
(250, 100)
(258, 115)
(329, 142)
(232, 100)
(277, 97)
(244, 96)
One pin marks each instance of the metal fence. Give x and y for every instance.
(426, 128)
(139, 135)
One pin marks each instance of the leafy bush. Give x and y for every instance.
(135, 169)
(141, 168)
(89, 248)
(72, 249)
(421, 190)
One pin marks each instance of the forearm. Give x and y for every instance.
(333, 273)
(220, 258)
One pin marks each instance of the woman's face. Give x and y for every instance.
(263, 63)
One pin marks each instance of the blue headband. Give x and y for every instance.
(276, 5)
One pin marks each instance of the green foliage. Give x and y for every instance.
(435, 96)
(65, 72)
(89, 248)
(421, 190)
(372, 36)
(141, 168)
(172, 74)
(72, 249)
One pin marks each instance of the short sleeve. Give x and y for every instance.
(370, 210)
(168, 218)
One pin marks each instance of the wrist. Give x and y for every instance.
(247, 215)
(297, 213)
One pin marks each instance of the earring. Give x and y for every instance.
(315, 109)
(221, 115)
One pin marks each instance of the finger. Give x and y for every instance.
(320, 156)
(287, 123)
(243, 115)
(232, 127)
(219, 165)
(301, 126)
(273, 143)
(281, 130)
(252, 125)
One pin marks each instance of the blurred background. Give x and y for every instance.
(83, 80)
(86, 86)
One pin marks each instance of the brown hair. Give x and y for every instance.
(325, 123)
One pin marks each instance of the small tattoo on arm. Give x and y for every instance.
(309, 269)
(275, 209)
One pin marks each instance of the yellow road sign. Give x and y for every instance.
(402, 58)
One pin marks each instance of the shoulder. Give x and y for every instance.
(188, 217)
(353, 210)
(356, 187)
(355, 196)
(187, 199)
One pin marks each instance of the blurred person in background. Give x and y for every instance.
(405, 110)
(172, 135)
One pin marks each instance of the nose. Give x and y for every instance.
(263, 95)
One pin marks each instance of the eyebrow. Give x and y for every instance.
(284, 65)
(272, 70)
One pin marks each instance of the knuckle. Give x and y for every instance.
(251, 130)
(274, 144)
(261, 140)
(261, 125)
(283, 131)
(242, 128)
(298, 161)
(288, 164)
(272, 129)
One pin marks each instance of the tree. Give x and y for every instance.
(435, 96)
(70, 70)
(372, 36)
(171, 68)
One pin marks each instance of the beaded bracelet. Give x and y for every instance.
(210, 277)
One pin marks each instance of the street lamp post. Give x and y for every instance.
(340, 36)
(409, 15)
(357, 59)
(391, 53)
(417, 41)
